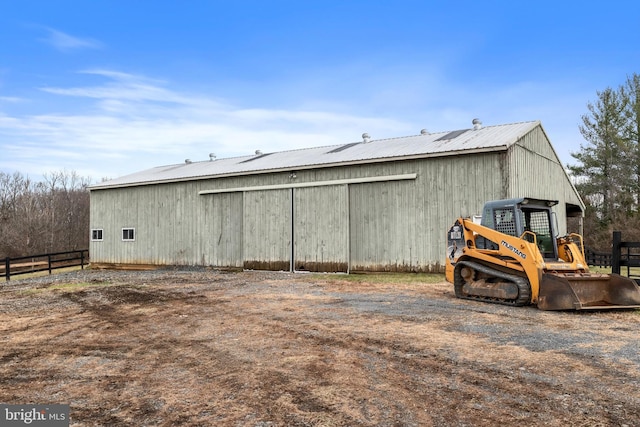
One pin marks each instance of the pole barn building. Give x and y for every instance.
(372, 205)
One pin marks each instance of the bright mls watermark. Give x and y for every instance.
(34, 415)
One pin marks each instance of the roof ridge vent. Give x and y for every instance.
(366, 138)
(258, 153)
(212, 157)
(187, 161)
(424, 132)
(477, 124)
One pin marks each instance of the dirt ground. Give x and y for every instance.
(202, 348)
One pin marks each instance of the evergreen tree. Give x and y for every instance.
(630, 92)
(603, 168)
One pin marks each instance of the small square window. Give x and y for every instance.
(96, 234)
(128, 234)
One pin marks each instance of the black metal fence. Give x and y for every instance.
(44, 262)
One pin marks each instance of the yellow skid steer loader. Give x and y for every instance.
(514, 257)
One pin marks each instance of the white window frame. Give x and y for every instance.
(101, 233)
(133, 230)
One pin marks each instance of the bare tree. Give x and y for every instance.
(43, 217)
(14, 191)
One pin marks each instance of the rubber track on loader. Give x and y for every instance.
(524, 289)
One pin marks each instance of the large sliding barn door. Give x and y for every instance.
(267, 230)
(367, 223)
(224, 224)
(383, 218)
(321, 228)
(304, 229)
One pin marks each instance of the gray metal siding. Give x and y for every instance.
(101, 203)
(165, 219)
(457, 187)
(401, 226)
(535, 171)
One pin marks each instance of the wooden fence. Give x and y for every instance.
(44, 262)
(598, 259)
(623, 254)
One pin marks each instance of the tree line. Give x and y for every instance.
(43, 217)
(607, 172)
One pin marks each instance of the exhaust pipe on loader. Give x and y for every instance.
(589, 291)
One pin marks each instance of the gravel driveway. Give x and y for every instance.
(204, 347)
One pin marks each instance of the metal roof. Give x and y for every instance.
(464, 141)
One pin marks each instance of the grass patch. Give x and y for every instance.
(633, 271)
(603, 270)
(75, 286)
(406, 278)
(40, 273)
(67, 287)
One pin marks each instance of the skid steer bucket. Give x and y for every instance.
(587, 291)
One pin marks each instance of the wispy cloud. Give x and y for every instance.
(65, 42)
(10, 99)
(124, 87)
(131, 122)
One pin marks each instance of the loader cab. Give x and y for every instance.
(515, 217)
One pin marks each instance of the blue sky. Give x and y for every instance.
(108, 88)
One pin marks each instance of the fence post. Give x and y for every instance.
(49, 261)
(7, 272)
(82, 260)
(616, 252)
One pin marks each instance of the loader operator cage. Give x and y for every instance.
(505, 221)
(538, 222)
(515, 221)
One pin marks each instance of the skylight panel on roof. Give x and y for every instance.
(342, 148)
(452, 135)
(256, 158)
